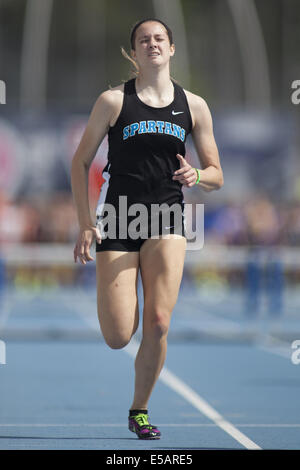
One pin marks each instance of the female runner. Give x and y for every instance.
(147, 120)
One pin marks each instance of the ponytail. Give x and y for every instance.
(135, 70)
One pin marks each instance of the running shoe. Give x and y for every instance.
(141, 426)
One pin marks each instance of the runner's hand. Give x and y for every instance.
(84, 242)
(186, 175)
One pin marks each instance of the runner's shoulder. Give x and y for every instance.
(195, 100)
(198, 106)
(112, 97)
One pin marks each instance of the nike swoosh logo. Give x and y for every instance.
(166, 228)
(178, 112)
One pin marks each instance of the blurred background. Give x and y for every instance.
(242, 57)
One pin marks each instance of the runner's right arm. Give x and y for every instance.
(96, 129)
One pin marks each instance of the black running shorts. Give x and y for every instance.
(127, 238)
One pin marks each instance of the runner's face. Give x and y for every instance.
(152, 45)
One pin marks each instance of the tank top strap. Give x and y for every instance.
(176, 89)
(129, 87)
(181, 101)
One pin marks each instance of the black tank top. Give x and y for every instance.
(143, 145)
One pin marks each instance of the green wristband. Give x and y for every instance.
(198, 175)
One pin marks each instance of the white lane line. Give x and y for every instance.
(85, 314)
(173, 382)
(118, 425)
(191, 396)
(263, 341)
(176, 384)
(6, 309)
(274, 345)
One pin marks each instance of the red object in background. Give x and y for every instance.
(12, 159)
(95, 181)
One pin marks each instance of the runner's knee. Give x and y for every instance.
(117, 334)
(117, 341)
(158, 323)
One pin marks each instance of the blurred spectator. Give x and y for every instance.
(31, 222)
(264, 268)
(42, 219)
(229, 225)
(58, 219)
(12, 221)
(292, 224)
(262, 222)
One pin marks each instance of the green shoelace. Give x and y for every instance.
(142, 419)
